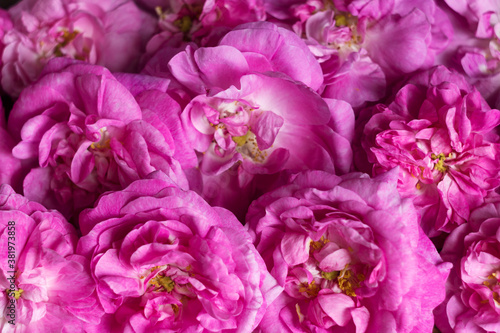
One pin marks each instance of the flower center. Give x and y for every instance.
(346, 280)
(17, 293)
(64, 39)
(167, 291)
(232, 122)
(103, 143)
(163, 282)
(311, 289)
(184, 20)
(494, 285)
(170, 279)
(314, 275)
(61, 45)
(341, 34)
(439, 162)
(247, 146)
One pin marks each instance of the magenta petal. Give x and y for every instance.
(285, 51)
(336, 261)
(337, 306)
(25, 150)
(206, 68)
(356, 82)
(266, 128)
(282, 96)
(184, 68)
(111, 270)
(221, 66)
(407, 37)
(295, 248)
(82, 164)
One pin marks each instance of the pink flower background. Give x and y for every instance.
(250, 166)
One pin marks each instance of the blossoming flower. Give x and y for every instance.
(473, 303)
(105, 32)
(361, 44)
(439, 131)
(260, 47)
(199, 20)
(47, 285)
(249, 123)
(483, 18)
(85, 133)
(350, 255)
(476, 51)
(164, 260)
(268, 47)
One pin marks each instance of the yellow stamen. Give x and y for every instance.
(184, 24)
(101, 144)
(345, 283)
(299, 313)
(440, 166)
(164, 282)
(316, 246)
(330, 275)
(496, 298)
(17, 293)
(241, 140)
(159, 11)
(67, 37)
(340, 20)
(311, 289)
(348, 282)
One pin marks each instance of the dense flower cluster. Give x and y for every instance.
(250, 166)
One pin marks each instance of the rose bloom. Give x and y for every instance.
(111, 33)
(363, 44)
(262, 46)
(84, 133)
(248, 121)
(165, 261)
(473, 303)
(45, 286)
(350, 255)
(476, 51)
(200, 21)
(440, 132)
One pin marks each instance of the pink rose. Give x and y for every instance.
(111, 33)
(85, 133)
(164, 260)
(260, 47)
(476, 51)
(360, 44)
(250, 127)
(268, 47)
(472, 300)
(45, 286)
(439, 131)
(200, 21)
(350, 255)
